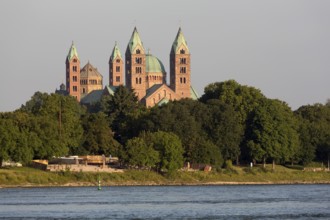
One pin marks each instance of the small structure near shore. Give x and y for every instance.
(89, 163)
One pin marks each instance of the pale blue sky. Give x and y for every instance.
(281, 47)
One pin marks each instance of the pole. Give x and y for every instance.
(99, 183)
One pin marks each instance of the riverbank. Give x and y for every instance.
(28, 177)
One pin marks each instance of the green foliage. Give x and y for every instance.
(272, 132)
(224, 128)
(98, 137)
(141, 154)
(242, 98)
(229, 122)
(123, 109)
(169, 148)
(207, 153)
(314, 132)
(55, 119)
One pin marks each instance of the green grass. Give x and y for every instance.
(33, 177)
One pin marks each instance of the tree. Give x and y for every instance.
(141, 154)
(223, 128)
(123, 110)
(13, 141)
(272, 132)
(207, 153)
(98, 137)
(179, 117)
(315, 129)
(55, 119)
(243, 99)
(169, 147)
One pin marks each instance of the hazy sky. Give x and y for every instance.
(281, 47)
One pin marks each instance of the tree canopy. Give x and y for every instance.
(230, 121)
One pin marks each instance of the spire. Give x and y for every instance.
(72, 52)
(134, 41)
(115, 52)
(179, 40)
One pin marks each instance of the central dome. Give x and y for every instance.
(154, 65)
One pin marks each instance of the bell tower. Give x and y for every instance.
(116, 68)
(135, 57)
(73, 73)
(180, 66)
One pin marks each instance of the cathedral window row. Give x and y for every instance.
(74, 68)
(75, 88)
(183, 69)
(138, 60)
(91, 81)
(138, 69)
(117, 68)
(117, 78)
(74, 78)
(183, 60)
(154, 78)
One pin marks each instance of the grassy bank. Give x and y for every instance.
(237, 175)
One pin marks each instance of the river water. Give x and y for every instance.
(168, 202)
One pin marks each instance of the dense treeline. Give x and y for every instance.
(230, 122)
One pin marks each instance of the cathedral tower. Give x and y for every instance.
(73, 73)
(116, 68)
(135, 65)
(180, 66)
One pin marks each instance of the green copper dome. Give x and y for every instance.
(154, 65)
(72, 52)
(179, 40)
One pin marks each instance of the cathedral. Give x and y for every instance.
(144, 73)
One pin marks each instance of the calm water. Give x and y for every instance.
(168, 202)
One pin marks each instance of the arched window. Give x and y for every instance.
(138, 60)
(182, 51)
(183, 69)
(84, 90)
(118, 60)
(158, 96)
(138, 51)
(140, 81)
(138, 69)
(184, 80)
(136, 80)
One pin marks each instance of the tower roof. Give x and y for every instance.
(115, 52)
(179, 40)
(89, 71)
(72, 52)
(134, 41)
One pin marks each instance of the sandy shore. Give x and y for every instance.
(219, 183)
